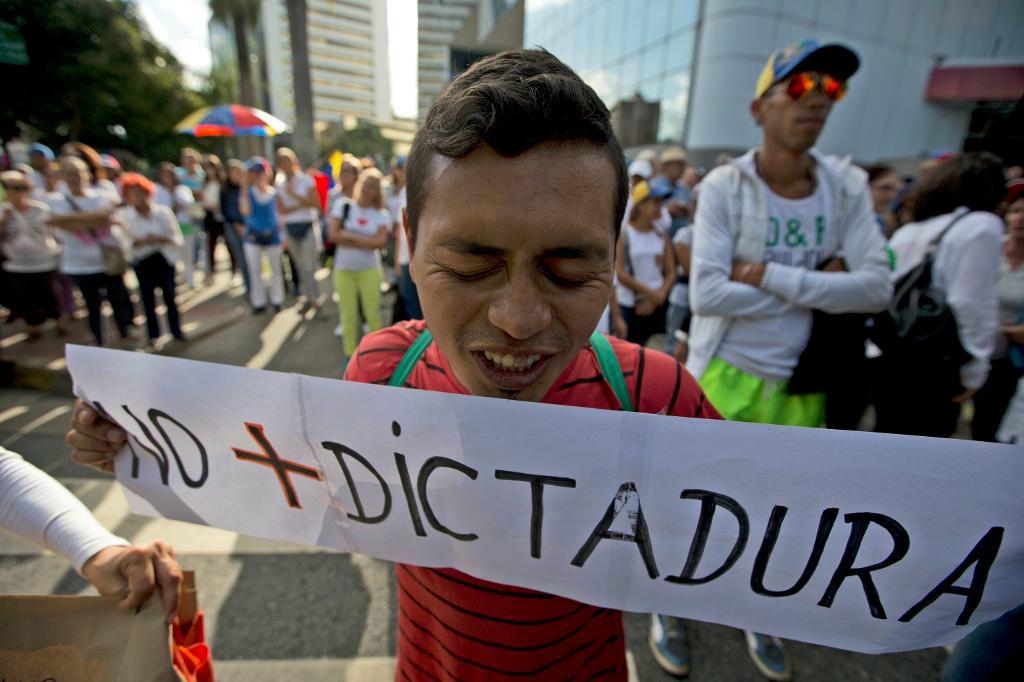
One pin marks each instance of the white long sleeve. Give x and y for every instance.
(864, 289)
(966, 268)
(711, 259)
(35, 507)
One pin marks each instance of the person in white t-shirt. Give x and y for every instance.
(645, 265)
(30, 254)
(180, 199)
(39, 157)
(407, 293)
(298, 204)
(778, 233)
(83, 217)
(679, 296)
(156, 246)
(213, 219)
(357, 270)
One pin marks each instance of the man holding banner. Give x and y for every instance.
(516, 191)
(862, 541)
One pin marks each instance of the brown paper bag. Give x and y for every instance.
(83, 639)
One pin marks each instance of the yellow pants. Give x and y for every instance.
(356, 287)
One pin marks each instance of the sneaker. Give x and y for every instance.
(337, 331)
(669, 645)
(769, 656)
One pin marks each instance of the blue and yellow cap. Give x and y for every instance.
(833, 59)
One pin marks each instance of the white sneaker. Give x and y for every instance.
(337, 331)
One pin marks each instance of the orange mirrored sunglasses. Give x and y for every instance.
(801, 84)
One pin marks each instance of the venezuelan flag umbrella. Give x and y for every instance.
(228, 120)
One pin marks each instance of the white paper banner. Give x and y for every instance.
(861, 541)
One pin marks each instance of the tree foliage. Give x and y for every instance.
(365, 139)
(93, 66)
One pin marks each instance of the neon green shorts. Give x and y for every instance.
(745, 398)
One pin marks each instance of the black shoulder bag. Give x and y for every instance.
(919, 326)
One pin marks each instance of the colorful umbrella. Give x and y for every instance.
(228, 120)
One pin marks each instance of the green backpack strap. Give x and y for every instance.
(606, 360)
(611, 369)
(411, 357)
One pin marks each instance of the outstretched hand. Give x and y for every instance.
(94, 440)
(133, 573)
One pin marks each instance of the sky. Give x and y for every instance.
(182, 25)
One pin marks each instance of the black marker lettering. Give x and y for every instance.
(421, 484)
(410, 495)
(154, 416)
(156, 451)
(640, 535)
(339, 452)
(537, 483)
(859, 527)
(709, 501)
(984, 555)
(771, 536)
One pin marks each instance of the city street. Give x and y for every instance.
(277, 611)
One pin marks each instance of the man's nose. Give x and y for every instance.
(520, 310)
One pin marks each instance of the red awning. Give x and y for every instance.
(1004, 83)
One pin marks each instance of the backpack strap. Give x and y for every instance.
(606, 360)
(611, 370)
(933, 245)
(411, 357)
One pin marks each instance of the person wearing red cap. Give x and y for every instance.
(779, 232)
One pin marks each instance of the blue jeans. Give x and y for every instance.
(992, 652)
(410, 297)
(238, 251)
(673, 321)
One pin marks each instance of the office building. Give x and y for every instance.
(934, 75)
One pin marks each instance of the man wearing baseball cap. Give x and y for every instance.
(779, 232)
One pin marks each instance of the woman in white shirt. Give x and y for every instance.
(213, 218)
(156, 242)
(359, 232)
(83, 216)
(924, 400)
(170, 192)
(644, 265)
(30, 254)
(298, 204)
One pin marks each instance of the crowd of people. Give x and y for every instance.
(748, 271)
(79, 221)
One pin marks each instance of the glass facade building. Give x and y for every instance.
(623, 48)
(699, 59)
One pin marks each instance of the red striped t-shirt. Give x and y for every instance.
(452, 626)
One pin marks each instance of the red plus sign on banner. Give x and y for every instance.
(282, 467)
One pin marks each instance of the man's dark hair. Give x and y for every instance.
(877, 170)
(974, 180)
(512, 102)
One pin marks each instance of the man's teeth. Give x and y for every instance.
(511, 363)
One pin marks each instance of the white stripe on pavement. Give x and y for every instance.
(363, 669)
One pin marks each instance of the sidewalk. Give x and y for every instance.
(39, 364)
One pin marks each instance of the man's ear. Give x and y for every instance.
(755, 110)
